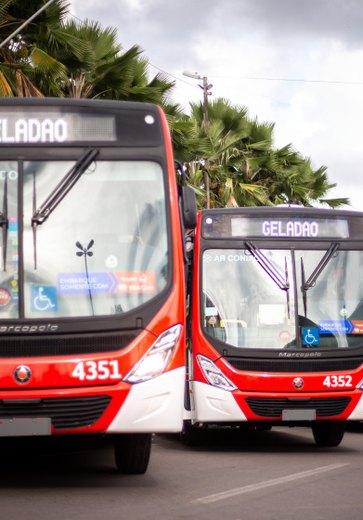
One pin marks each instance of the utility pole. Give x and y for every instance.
(206, 92)
(206, 87)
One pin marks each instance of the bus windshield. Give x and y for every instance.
(102, 249)
(318, 303)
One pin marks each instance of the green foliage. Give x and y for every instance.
(234, 162)
(56, 57)
(230, 161)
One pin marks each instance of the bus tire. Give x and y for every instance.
(132, 452)
(328, 433)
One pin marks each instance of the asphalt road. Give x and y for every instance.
(280, 474)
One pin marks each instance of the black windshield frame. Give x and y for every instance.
(355, 243)
(134, 319)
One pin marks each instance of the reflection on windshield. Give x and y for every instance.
(4, 221)
(9, 289)
(243, 306)
(282, 281)
(311, 281)
(268, 266)
(67, 182)
(104, 251)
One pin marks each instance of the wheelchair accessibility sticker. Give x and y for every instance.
(310, 336)
(44, 298)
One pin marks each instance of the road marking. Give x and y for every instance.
(267, 483)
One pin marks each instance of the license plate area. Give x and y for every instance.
(296, 414)
(25, 426)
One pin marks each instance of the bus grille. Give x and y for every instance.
(294, 365)
(25, 346)
(67, 412)
(324, 406)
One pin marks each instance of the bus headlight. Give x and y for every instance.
(214, 375)
(154, 362)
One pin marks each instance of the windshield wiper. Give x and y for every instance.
(4, 221)
(270, 269)
(287, 291)
(41, 214)
(65, 185)
(303, 286)
(311, 281)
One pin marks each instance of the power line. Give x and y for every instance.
(151, 64)
(173, 76)
(262, 78)
(297, 80)
(255, 78)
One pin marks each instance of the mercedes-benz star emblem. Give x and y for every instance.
(22, 374)
(298, 383)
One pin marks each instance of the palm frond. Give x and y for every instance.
(25, 87)
(5, 87)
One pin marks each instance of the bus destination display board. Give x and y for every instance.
(55, 127)
(279, 226)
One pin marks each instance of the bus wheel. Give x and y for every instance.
(328, 433)
(132, 452)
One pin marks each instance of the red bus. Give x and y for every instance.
(277, 320)
(92, 298)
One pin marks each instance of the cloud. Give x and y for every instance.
(296, 19)
(291, 62)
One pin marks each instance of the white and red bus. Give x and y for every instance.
(92, 297)
(277, 320)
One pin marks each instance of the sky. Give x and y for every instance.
(295, 63)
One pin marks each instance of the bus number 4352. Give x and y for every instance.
(338, 381)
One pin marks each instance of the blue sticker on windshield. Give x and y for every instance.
(44, 298)
(125, 282)
(80, 283)
(310, 336)
(336, 327)
(13, 227)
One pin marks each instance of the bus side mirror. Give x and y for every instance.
(189, 207)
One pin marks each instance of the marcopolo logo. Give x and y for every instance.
(28, 329)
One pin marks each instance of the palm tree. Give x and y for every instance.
(55, 57)
(234, 163)
(230, 133)
(23, 62)
(242, 167)
(100, 68)
(291, 179)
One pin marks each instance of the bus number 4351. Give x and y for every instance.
(97, 370)
(338, 381)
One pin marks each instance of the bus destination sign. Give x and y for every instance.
(270, 227)
(55, 127)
